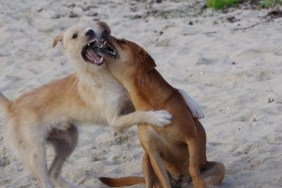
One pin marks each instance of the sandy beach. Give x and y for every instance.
(230, 62)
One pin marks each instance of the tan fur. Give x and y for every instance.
(175, 153)
(50, 112)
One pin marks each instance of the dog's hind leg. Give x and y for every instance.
(33, 155)
(64, 143)
(213, 173)
(28, 140)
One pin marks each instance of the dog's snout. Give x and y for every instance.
(104, 33)
(90, 33)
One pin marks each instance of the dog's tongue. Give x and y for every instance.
(92, 56)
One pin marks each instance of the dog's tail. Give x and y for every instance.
(124, 181)
(5, 103)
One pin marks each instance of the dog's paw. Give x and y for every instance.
(194, 107)
(160, 118)
(61, 182)
(197, 111)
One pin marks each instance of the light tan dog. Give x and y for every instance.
(50, 112)
(175, 153)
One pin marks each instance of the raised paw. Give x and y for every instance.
(197, 111)
(160, 118)
(195, 108)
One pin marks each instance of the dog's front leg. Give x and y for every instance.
(153, 157)
(159, 169)
(159, 118)
(148, 172)
(194, 167)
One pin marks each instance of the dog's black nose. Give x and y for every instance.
(90, 33)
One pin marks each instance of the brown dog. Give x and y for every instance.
(175, 153)
(50, 113)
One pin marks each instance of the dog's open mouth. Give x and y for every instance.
(89, 54)
(95, 51)
(105, 49)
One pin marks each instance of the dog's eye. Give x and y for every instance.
(123, 41)
(74, 36)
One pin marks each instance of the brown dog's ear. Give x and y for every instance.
(146, 61)
(104, 26)
(58, 38)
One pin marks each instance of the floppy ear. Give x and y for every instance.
(58, 38)
(146, 61)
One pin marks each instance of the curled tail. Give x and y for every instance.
(5, 103)
(124, 181)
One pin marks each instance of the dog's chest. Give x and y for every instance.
(103, 100)
(111, 96)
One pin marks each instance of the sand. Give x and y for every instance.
(233, 69)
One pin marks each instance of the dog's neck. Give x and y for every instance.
(151, 88)
(94, 81)
(93, 75)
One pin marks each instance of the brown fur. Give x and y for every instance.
(50, 112)
(175, 153)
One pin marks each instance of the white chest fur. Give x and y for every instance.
(104, 95)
